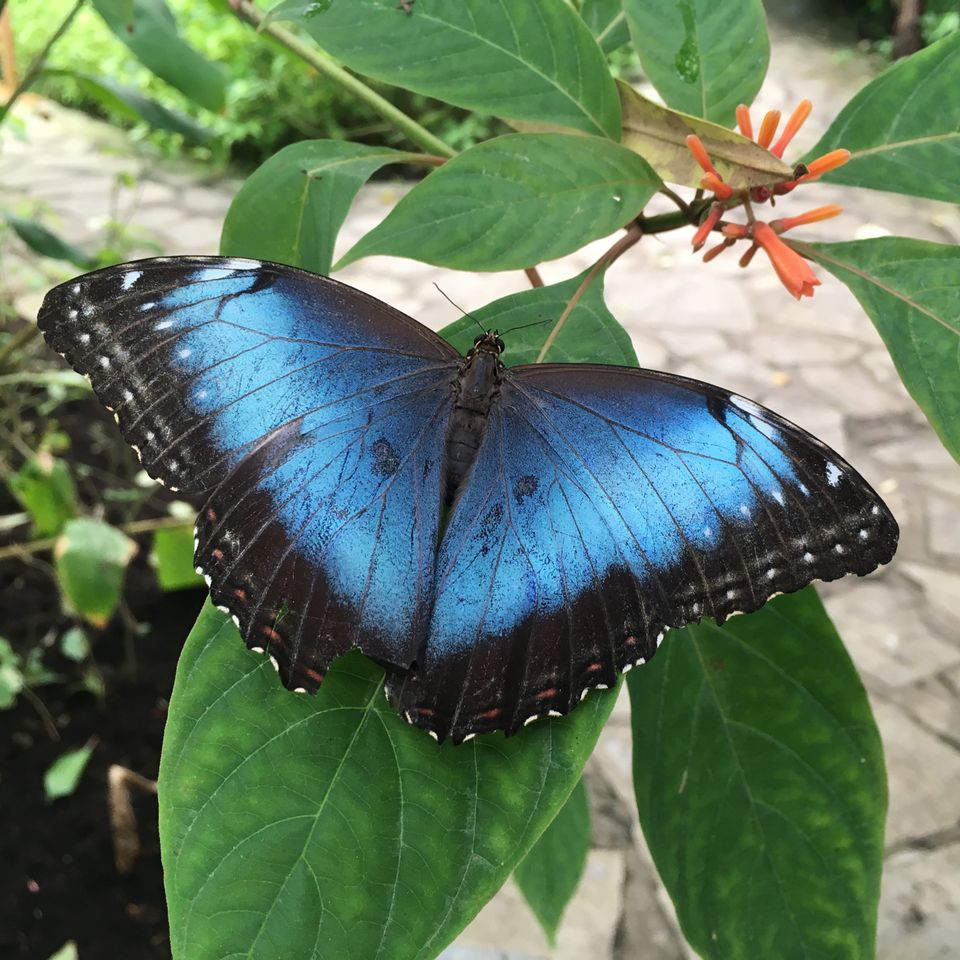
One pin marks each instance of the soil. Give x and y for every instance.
(58, 881)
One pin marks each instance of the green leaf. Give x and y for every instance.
(91, 560)
(67, 952)
(292, 207)
(760, 785)
(549, 874)
(45, 489)
(11, 675)
(127, 102)
(75, 644)
(533, 60)
(590, 332)
(41, 240)
(659, 135)
(910, 290)
(172, 558)
(290, 822)
(903, 128)
(65, 773)
(607, 22)
(703, 56)
(514, 201)
(149, 30)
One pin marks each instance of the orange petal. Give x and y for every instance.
(796, 121)
(768, 128)
(713, 183)
(743, 121)
(794, 272)
(714, 252)
(748, 256)
(826, 163)
(811, 216)
(699, 151)
(703, 231)
(736, 231)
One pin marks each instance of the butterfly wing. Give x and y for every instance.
(310, 414)
(606, 505)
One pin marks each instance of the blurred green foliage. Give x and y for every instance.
(272, 98)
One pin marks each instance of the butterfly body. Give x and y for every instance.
(477, 388)
(501, 539)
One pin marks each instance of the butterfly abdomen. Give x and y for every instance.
(477, 385)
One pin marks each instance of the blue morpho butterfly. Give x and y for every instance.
(501, 540)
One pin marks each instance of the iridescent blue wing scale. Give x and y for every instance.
(313, 418)
(607, 505)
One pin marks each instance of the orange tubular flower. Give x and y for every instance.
(768, 128)
(811, 216)
(794, 272)
(703, 231)
(826, 163)
(796, 121)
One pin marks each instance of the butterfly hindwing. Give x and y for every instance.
(310, 414)
(607, 504)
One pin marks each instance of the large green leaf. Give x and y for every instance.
(513, 202)
(292, 207)
(760, 785)
(703, 56)
(549, 874)
(534, 60)
(327, 828)
(589, 332)
(607, 22)
(903, 128)
(148, 28)
(911, 291)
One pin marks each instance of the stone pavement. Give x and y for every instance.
(820, 363)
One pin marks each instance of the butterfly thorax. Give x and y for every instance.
(477, 388)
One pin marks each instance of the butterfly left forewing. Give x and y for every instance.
(309, 414)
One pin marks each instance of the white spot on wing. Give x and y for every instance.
(833, 474)
(808, 557)
(130, 278)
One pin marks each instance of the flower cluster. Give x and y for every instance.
(794, 272)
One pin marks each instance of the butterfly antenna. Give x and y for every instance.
(457, 305)
(523, 326)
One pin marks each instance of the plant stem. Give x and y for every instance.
(18, 340)
(634, 232)
(37, 65)
(137, 526)
(533, 275)
(320, 62)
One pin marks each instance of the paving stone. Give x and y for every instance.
(855, 392)
(674, 303)
(923, 450)
(940, 586)
(587, 929)
(788, 348)
(935, 702)
(923, 776)
(884, 629)
(920, 905)
(943, 525)
(690, 344)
